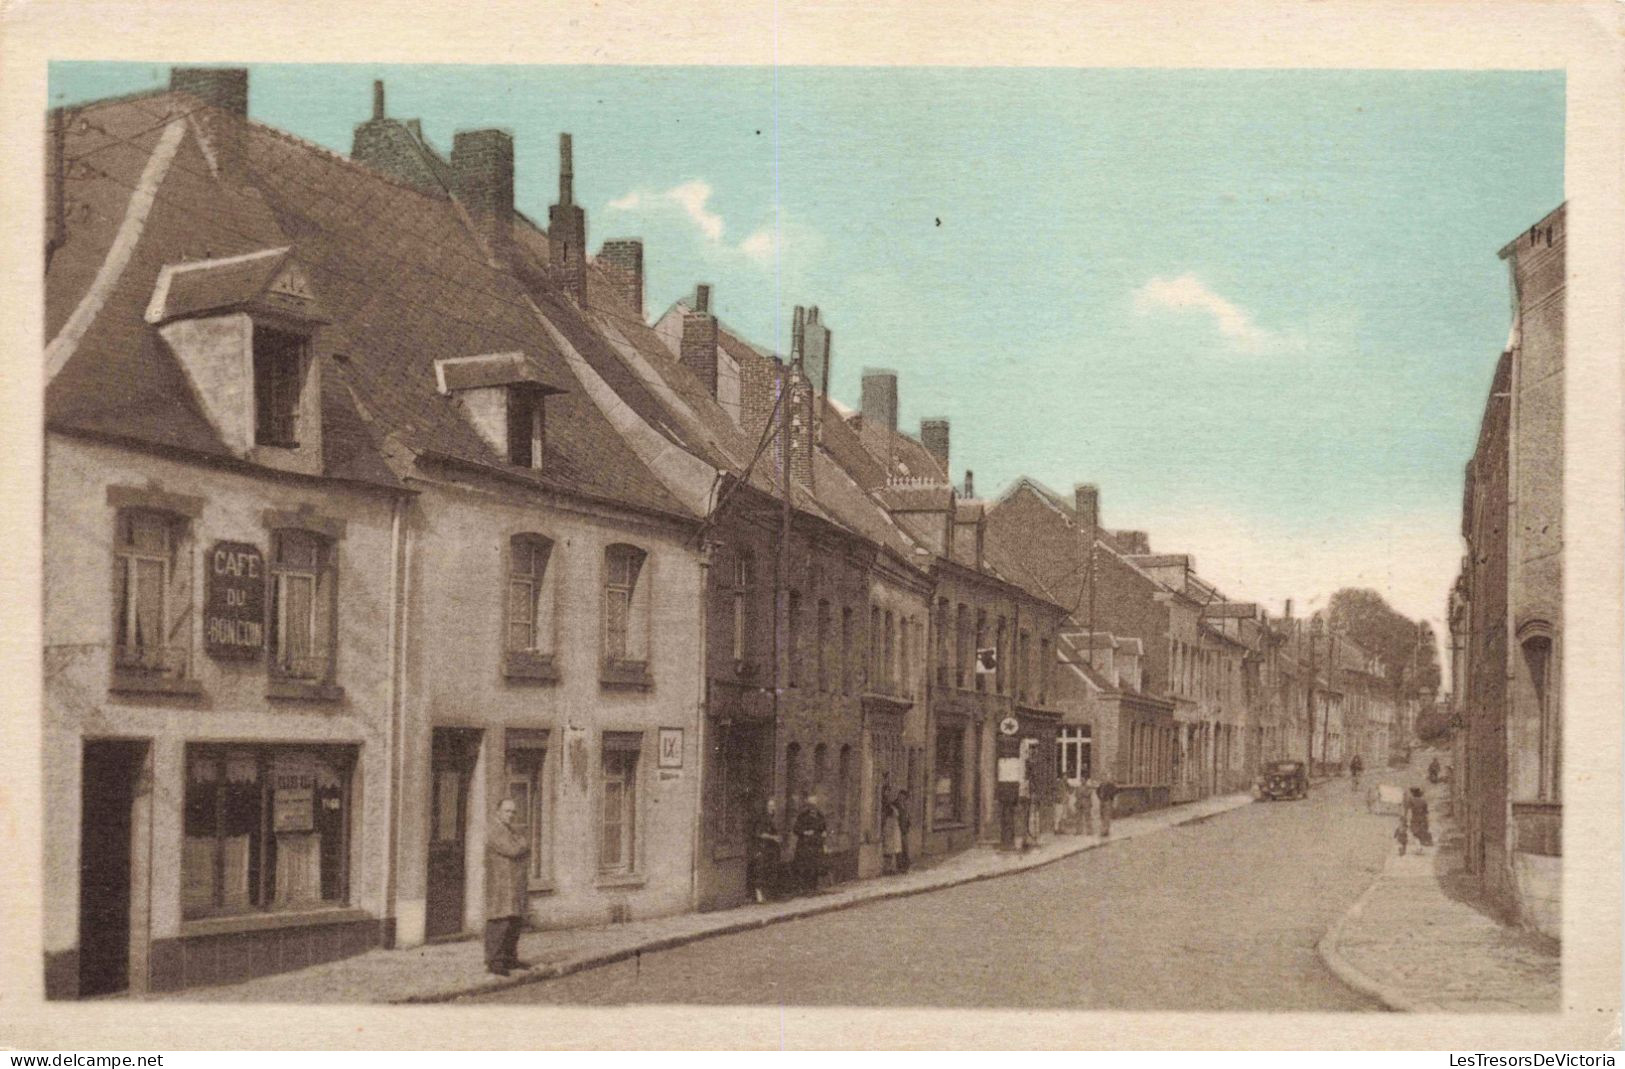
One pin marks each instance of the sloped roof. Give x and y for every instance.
(117, 378)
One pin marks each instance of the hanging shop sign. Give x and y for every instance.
(234, 600)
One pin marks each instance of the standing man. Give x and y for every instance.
(1106, 792)
(810, 828)
(507, 854)
(902, 830)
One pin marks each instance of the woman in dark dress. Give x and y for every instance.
(810, 829)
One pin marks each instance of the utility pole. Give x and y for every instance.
(781, 561)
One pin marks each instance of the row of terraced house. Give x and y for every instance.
(372, 500)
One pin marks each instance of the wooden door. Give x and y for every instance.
(451, 769)
(107, 796)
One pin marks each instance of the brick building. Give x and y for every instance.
(1506, 608)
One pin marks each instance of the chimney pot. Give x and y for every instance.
(970, 485)
(934, 436)
(880, 398)
(697, 349)
(482, 174)
(622, 261)
(224, 92)
(567, 230)
(377, 99)
(1086, 500)
(225, 88)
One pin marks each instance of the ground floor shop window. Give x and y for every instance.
(947, 801)
(1074, 752)
(617, 843)
(527, 785)
(266, 828)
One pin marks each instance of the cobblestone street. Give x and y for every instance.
(1109, 929)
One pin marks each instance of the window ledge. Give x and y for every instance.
(542, 887)
(300, 690)
(525, 667)
(622, 879)
(625, 674)
(949, 825)
(135, 683)
(259, 922)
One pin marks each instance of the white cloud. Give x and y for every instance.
(1187, 293)
(692, 197)
(760, 246)
(763, 247)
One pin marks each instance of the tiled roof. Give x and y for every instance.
(1240, 610)
(395, 268)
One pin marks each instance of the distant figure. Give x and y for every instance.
(891, 832)
(1416, 809)
(903, 860)
(1433, 770)
(810, 829)
(762, 863)
(506, 890)
(1107, 793)
(1356, 766)
(1086, 806)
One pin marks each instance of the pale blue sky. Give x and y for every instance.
(1259, 301)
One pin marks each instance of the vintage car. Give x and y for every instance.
(1284, 779)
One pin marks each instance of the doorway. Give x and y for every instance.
(108, 785)
(451, 772)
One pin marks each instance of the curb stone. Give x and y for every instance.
(813, 909)
(1391, 998)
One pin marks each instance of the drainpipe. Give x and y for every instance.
(703, 718)
(397, 690)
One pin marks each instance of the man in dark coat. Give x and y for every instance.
(506, 875)
(902, 804)
(810, 829)
(1106, 792)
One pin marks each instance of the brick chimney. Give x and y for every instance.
(1086, 500)
(622, 261)
(880, 398)
(224, 93)
(394, 147)
(970, 485)
(567, 230)
(802, 399)
(698, 348)
(482, 177)
(934, 436)
(815, 352)
(1133, 542)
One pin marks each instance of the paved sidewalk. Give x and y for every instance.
(446, 971)
(1416, 942)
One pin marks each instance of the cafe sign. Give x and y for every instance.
(234, 602)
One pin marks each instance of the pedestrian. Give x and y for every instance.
(1107, 793)
(891, 833)
(507, 855)
(902, 830)
(1417, 807)
(1356, 766)
(762, 863)
(810, 829)
(1433, 770)
(1062, 795)
(1400, 835)
(1086, 805)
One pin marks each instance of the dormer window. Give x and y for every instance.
(502, 397)
(524, 427)
(244, 329)
(279, 373)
